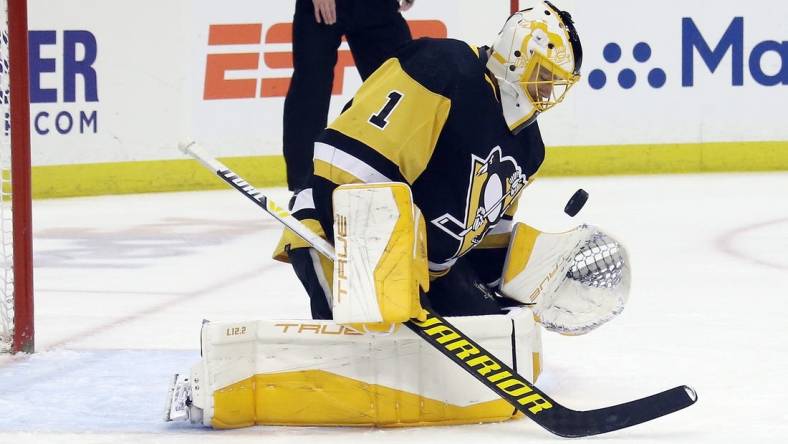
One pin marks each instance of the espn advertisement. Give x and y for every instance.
(126, 81)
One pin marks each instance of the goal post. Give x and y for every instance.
(16, 306)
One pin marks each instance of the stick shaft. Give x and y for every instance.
(260, 199)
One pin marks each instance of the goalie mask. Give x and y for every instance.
(536, 59)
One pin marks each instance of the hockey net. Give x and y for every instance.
(16, 304)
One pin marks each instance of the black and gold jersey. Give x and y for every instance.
(431, 117)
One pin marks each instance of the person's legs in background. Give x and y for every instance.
(306, 105)
(376, 35)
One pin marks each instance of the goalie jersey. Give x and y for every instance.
(430, 117)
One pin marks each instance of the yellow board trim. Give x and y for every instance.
(150, 176)
(262, 171)
(666, 158)
(316, 397)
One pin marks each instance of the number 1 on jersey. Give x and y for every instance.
(379, 119)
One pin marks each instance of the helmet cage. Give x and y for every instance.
(544, 82)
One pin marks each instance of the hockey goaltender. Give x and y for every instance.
(414, 186)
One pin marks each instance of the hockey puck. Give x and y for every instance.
(576, 202)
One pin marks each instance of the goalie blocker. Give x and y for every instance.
(380, 265)
(381, 256)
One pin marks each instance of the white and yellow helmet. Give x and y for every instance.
(536, 59)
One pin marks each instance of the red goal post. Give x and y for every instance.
(16, 306)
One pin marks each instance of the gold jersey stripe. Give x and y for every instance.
(412, 126)
(495, 241)
(333, 173)
(344, 163)
(487, 77)
(513, 207)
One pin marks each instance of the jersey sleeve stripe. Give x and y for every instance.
(495, 241)
(305, 213)
(333, 174)
(437, 268)
(341, 163)
(304, 206)
(303, 200)
(511, 211)
(365, 153)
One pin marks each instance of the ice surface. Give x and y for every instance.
(122, 284)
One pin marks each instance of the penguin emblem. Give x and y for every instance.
(493, 185)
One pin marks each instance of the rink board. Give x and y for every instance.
(699, 86)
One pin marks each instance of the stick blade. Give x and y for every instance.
(574, 424)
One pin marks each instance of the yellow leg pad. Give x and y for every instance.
(234, 405)
(295, 372)
(316, 397)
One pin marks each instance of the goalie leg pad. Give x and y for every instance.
(322, 373)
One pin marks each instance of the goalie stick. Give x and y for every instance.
(474, 359)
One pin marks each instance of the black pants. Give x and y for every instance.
(374, 30)
(461, 292)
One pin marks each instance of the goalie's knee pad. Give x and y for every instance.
(576, 280)
(381, 257)
(323, 373)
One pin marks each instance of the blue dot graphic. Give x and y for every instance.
(656, 78)
(612, 52)
(627, 78)
(641, 52)
(597, 79)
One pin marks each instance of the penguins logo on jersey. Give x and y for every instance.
(493, 185)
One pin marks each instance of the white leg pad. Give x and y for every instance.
(299, 372)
